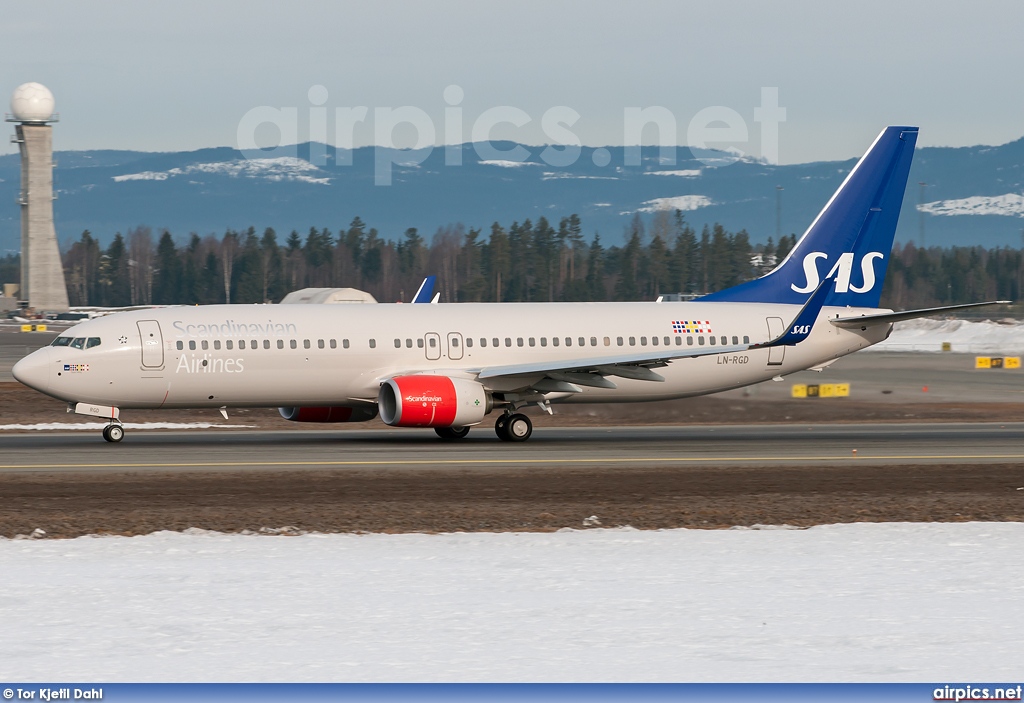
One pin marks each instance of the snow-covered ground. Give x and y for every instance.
(860, 602)
(982, 337)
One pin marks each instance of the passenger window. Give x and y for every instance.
(344, 343)
(291, 343)
(216, 344)
(666, 341)
(508, 341)
(419, 344)
(180, 345)
(583, 342)
(266, 344)
(554, 341)
(533, 341)
(735, 339)
(334, 343)
(398, 343)
(320, 344)
(204, 344)
(432, 342)
(607, 341)
(483, 341)
(543, 341)
(618, 340)
(689, 341)
(494, 342)
(643, 341)
(593, 341)
(519, 341)
(746, 339)
(191, 344)
(93, 342)
(712, 340)
(408, 343)
(455, 342)
(305, 344)
(654, 341)
(280, 344)
(700, 340)
(254, 344)
(679, 341)
(229, 344)
(632, 341)
(469, 341)
(65, 341)
(568, 341)
(373, 343)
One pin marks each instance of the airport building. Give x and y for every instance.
(42, 288)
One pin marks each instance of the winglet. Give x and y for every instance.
(800, 329)
(426, 290)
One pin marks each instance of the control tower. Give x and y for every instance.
(42, 273)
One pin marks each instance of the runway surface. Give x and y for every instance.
(408, 481)
(552, 447)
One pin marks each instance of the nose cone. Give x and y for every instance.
(34, 370)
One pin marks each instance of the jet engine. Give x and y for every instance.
(432, 401)
(339, 413)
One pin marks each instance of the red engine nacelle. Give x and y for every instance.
(341, 413)
(432, 401)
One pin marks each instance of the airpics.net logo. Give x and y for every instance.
(332, 131)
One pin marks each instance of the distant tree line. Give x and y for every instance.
(525, 261)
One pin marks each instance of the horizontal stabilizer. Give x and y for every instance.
(890, 317)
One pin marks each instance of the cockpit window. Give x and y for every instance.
(61, 342)
(78, 343)
(93, 342)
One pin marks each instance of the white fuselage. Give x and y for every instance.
(310, 355)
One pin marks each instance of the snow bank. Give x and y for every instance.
(860, 602)
(987, 337)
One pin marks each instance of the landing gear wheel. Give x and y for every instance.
(518, 428)
(501, 428)
(113, 433)
(450, 433)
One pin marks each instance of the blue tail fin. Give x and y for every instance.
(851, 238)
(426, 290)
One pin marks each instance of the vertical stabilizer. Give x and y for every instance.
(850, 239)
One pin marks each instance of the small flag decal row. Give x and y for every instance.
(691, 326)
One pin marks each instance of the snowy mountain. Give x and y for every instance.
(974, 194)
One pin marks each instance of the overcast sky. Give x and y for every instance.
(161, 76)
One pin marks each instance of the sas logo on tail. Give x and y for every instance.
(842, 269)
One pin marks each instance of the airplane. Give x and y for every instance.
(447, 367)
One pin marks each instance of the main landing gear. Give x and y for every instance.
(451, 433)
(113, 432)
(513, 427)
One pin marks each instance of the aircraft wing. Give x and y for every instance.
(890, 317)
(635, 365)
(567, 373)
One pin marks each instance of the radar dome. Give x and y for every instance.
(32, 102)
